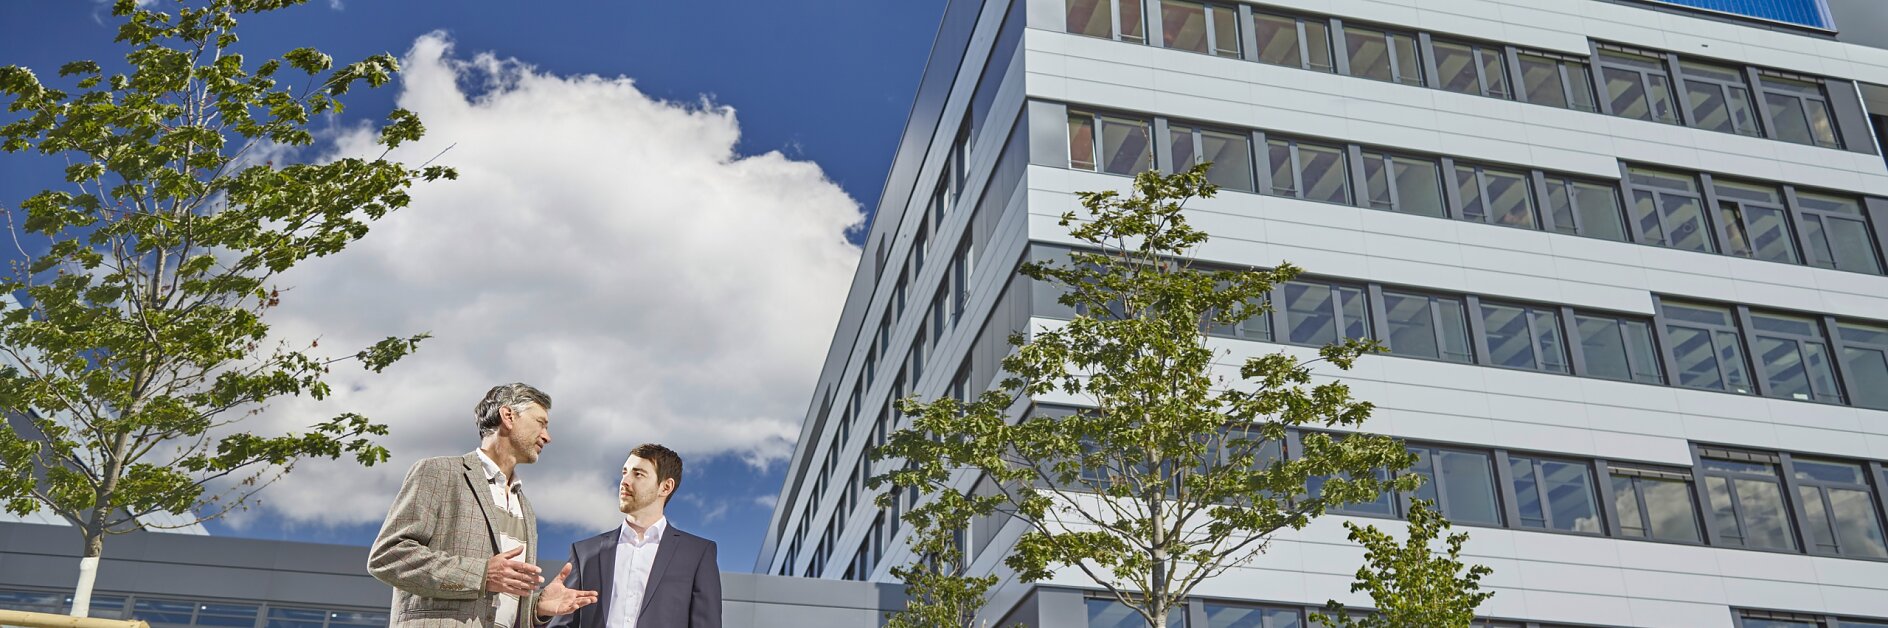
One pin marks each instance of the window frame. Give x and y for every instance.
(1615, 523)
(1098, 141)
(1458, 206)
(1547, 182)
(1534, 329)
(1262, 159)
(1842, 343)
(1511, 502)
(1304, 42)
(1405, 500)
(1801, 215)
(1576, 346)
(1789, 510)
(1197, 136)
(1761, 370)
(1568, 84)
(1208, 11)
(1721, 228)
(1872, 489)
(1366, 155)
(1116, 33)
(1280, 311)
(1663, 326)
(1340, 45)
(1602, 62)
(1379, 313)
(1699, 194)
(1479, 55)
(1724, 87)
(1765, 90)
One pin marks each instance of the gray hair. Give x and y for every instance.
(515, 395)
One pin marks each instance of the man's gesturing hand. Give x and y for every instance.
(504, 575)
(557, 600)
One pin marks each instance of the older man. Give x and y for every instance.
(460, 542)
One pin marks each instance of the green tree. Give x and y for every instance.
(1409, 583)
(940, 591)
(131, 324)
(1171, 475)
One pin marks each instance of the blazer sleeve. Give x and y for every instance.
(568, 620)
(704, 607)
(401, 555)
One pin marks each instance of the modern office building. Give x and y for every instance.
(1627, 257)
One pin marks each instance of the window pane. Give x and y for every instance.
(1788, 120)
(1082, 142)
(1838, 234)
(1627, 93)
(1231, 616)
(1540, 81)
(1318, 46)
(1523, 337)
(1414, 330)
(1468, 487)
(1695, 359)
(1866, 367)
(1456, 66)
(1762, 514)
(1409, 65)
(1527, 493)
(1094, 18)
(1183, 24)
(1553, 353)
(1418, 186)
(1719, 101)
(1857, 528)
(1580, 85)
(1278, 40)
(1180, 143)
(1351, 304)
(1132, 26)
(1324, 175)
(1598, 207)
(1509, 200)
(1570, 495)
(1231, 156)
(1494, 72)
(1113, 614)
(1225, 31)
(1468, 186)
(1309, 316)
(1768, 236)
(1278, 153)
(1369, 53)
(1125, 146)
(1377, 181)
(1684, 223)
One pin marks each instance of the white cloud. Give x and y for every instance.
(610, 248)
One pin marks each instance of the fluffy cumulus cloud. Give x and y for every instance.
(611, 248)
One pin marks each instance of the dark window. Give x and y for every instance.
(1654, 504)
(1835, 233)
(1555, 494)
(1585, 208)
(1556, 81)
(1799, 111)
(1838, 508)
(1322, 314)
(1427, 326)
(1307, 170)
(1470, 68)
(1383, 55)
(1098, 18)
(1460, 483)
(1257, 327)
(1223, 615)
(1746, 500)
(1403, 183)
(1793, 353)
(1522, 336)
(1720, 98)
(1618, 348)
(1637, 85)
(1865, 363)
(1766, 619)
(1707, 349)
(1113, 614)
(1294, 41)
(1754, 221)
(1111, 144)
(1669, 210)
(1229, 152)
(1382, 506)
(1495, 195)
(295, 618)
(1206, 28)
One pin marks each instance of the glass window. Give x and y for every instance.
(1746, 501)
(1294, 41)
(1555, 494)
(1383, 55)
(1766, 619)
(1799, 112)
(1794, 357)
(1460, 483)
(1322, 314)
(1258, 327)
(1637, 85)
(167, 612)
(1669, 210)
(1839, 508)
(1220, 615)
(1556, 81)
(1655, 504)
(1427, 326)
(295, 617)
(1835, 233)
(1110, 144)
(1104, 613)
(1584, 208)
(1097, 18)
(1707, 348)
(1230, 153)
(1470, 68)
(1522, 336)
(1311, 171)
(1754, 222)
(1618, 348)
(228, 615)
(1495, 195)
(1200, 27)
(1865, 363)
(1720, 98)
(1382, 506)
(1403, 183)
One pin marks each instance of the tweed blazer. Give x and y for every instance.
(435, 542)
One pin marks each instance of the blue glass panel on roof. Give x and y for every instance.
(1811, 13)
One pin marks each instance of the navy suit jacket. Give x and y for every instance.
(684, 589)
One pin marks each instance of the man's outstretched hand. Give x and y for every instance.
(559, 600)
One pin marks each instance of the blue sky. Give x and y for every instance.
(818, 93)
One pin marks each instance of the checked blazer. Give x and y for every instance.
(435, 542)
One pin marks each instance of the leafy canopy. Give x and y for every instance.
(1410, 584)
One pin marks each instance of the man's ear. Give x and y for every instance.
(507, 418)
(668, 487)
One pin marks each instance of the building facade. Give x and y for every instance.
(1627, 258)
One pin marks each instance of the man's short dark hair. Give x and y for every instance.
(668, 464)
(515, 395)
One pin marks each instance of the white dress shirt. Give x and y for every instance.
(505, 496)
(635, 558)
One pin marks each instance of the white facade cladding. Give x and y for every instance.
(1629, 259)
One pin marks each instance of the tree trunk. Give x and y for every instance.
(88, 574)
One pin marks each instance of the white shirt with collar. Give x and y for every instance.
(635, 558)
(505, 496)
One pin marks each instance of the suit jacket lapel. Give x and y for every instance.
(606, 587)
(481, 491)
(671, 544)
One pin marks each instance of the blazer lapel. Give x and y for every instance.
(671, 544)
(481, 492)
(606, 587)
